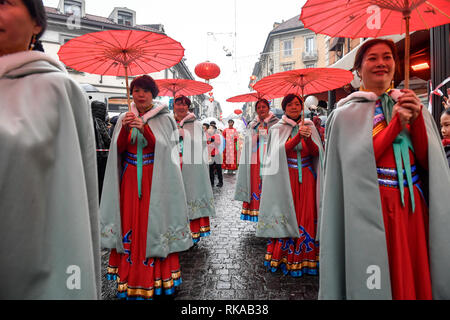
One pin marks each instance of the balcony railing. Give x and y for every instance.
(310, 55)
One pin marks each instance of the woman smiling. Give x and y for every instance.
(382, 205)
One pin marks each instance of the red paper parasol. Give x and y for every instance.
(121, 53)
(375, 18)
(304, 81)
(185, 87)
(253, 96)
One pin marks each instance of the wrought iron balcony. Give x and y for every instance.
(310, 55)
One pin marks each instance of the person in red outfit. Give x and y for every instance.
(138, 275)
(249, 183)
(296, 256)
(376, 196)
(230, 153)
(194, 166)
(318, 123)
(445, 130)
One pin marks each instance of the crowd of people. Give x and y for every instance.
(362, 205)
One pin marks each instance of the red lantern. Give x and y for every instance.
(253, 78)
(207, 70)
(238, 111)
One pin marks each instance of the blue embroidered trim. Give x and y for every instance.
(145, 163)
(246, 217)
(393, 172)
(144, 156)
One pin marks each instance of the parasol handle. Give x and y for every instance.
(303, 111)
(128, 88)
(407, 49)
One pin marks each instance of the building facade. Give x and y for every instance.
(70, 20)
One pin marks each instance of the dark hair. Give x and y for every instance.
(207, 125)
(446, 111)
(369, 44)
(36, 10)
(145, 82)
(183, 100)
(288, 99)
(262, 101)
(98, 109)
(322, 104)
(231, 120)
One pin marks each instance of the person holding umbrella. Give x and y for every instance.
(289, 199)
(144, 215)
(194, 165)
(384, 223)
(249, 183)
(49, 234)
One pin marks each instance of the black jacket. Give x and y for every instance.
(102, 138)
(447, 152)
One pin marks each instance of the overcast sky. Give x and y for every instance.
(189, 21)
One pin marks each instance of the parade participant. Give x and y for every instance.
(194, 167)
(49, 234)
(384, 222)
(214, 154)
(230, 152)
(102, 140)
(288, 208)
(445, 130)
(249, 183)
(318, 123)
(147, 225)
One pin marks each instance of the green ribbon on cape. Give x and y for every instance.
(299, 155)
(138, 137)
(262, 142)
(401, 146)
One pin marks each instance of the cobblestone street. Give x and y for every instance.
(228, 265)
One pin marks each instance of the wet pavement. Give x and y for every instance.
(229, 264)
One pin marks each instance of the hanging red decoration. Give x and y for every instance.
(253, 78)
(211, 94)
(207, 70)
(211, 99)
(238, 111)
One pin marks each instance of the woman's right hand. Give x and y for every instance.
(304, 131)
(405, 115)
(127, 120)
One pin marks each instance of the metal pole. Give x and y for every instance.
(331, 99)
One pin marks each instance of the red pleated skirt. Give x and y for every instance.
(407, 241)
(138, 277)
(229, 157)
(200, 228)
(298, 256)
(250, 210)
